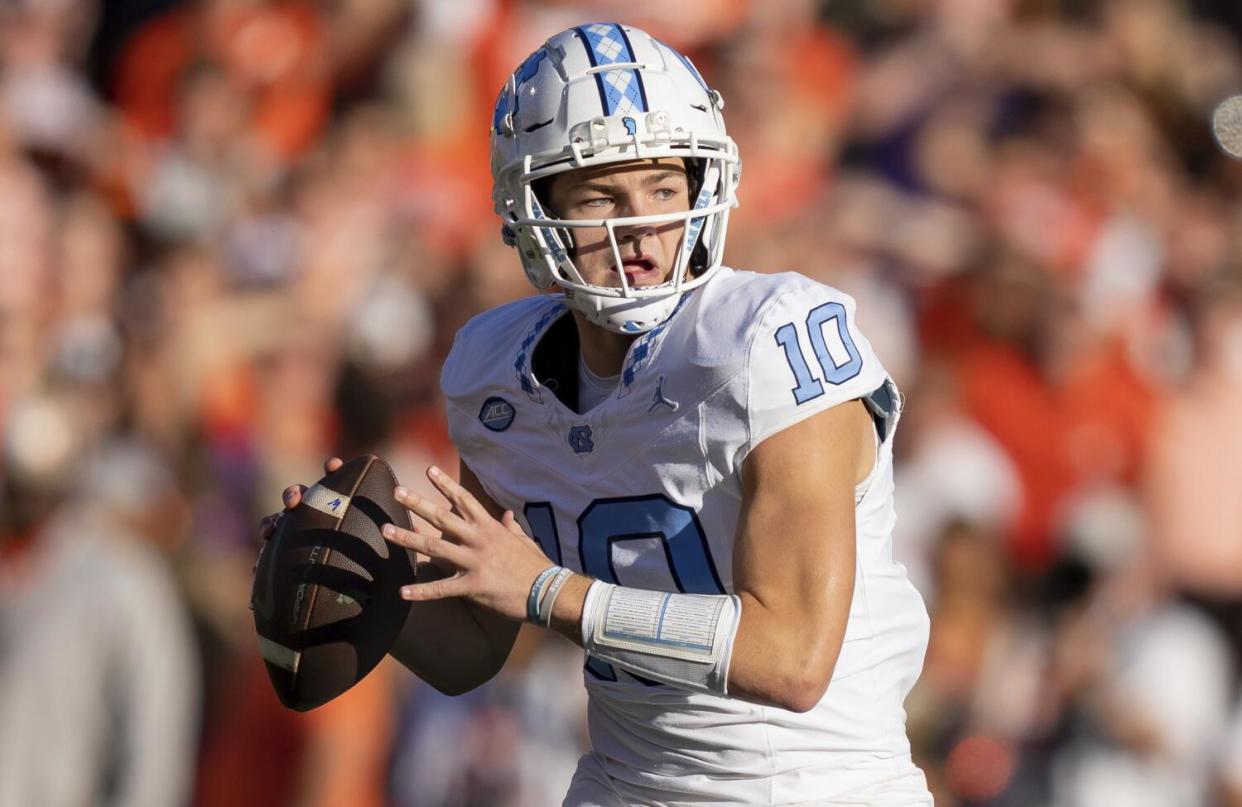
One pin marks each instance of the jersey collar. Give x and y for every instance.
(525, 376)
(643, 348)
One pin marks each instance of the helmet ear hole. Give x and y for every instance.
(696, 171)
(698, 259)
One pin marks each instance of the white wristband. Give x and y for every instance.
(684, 640)
(588, 609)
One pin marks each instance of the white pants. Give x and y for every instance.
(593, 787)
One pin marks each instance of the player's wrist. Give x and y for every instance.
(567, 611)
(538, 591)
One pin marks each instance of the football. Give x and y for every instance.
(326, 592)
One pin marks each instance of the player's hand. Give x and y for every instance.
(292, 497)
(494, 563)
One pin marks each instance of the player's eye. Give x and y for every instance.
(596, 201)
(667, 194)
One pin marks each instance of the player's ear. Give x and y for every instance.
(698, 259)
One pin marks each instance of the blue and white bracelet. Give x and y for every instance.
(549, 598)
(536, 592)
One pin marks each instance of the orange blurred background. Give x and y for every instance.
(237, 237)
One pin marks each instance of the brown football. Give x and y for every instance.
(326, 594)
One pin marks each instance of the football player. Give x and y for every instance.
(684, 468)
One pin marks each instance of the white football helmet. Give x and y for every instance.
(608, 93)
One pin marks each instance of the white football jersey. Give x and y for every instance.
(645, 490)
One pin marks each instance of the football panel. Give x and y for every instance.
(351, 578)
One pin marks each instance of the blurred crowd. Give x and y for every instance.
(237, 237)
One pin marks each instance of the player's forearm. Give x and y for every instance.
(782, 655)
(567, 610)
(451, 644)
(776, 658)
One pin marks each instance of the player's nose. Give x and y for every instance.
(634, 234)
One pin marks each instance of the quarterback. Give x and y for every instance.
(684, 468)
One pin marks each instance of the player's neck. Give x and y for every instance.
(602, 350)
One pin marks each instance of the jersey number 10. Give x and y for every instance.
(808, 386)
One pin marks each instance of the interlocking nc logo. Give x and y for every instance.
(580, 439)
(335, 503)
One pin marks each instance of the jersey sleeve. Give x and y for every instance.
(807, 354)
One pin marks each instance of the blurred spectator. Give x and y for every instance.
(98, 692)
(271, 56)
(256, 752)
(521, 735)
(951, 472)
(979, 694)
(1231, 763)
(1146, 680)
(52, 109)
(1192, 484)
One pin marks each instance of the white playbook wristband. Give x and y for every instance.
(683, 640)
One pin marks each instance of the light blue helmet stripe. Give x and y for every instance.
(620, 91)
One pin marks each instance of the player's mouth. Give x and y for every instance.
(642, 271)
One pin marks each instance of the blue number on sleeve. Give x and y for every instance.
(787, 337)
(808, 386)
(815, 323)
(543, 528)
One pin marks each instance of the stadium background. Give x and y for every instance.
(237, 236)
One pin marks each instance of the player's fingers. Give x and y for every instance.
(463, 500)
(431, 546)
(267, 527)
(436, 589)
(332, 464)
(511, 523)
(292, 496)
(441, 518)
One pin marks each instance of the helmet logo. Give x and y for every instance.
(525, 73)
(531, 66)
(631, 126)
